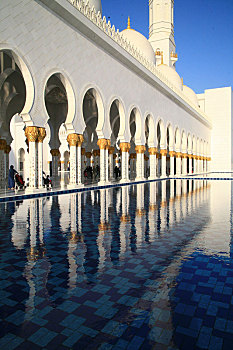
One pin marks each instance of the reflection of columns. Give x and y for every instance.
(83, 152)
(124, 230)
(178, 163)
(152, 210)
(7, 151)
(140, 215)
(2, 162)
(41, 137)
(184, 164)
(79, 159)
(152, 152)
(110, 152)
(55, 156)
(172, 159)
(31, 133)
(102, 143)
(72, 141)
(190, 163)
(163, 153)
(124, 147)
(140, 149)
(106, 160)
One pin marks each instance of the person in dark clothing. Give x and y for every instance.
(11, 178)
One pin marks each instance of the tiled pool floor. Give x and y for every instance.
(139, 267)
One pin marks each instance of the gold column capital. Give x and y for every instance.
(55, 152)
(72, 139)
(124, 146)
(190, 156)
(152, 151)
(140, 149)
(102, 143)
(163, 152)
(7, 149)
(88, 154)
(184, 155)
(111, 150)
(178, 154)
(80, 140)
(172, 154)
(3, 145)
(41, 134)
(31, 133)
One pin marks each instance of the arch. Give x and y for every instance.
(117, 116)
(194, 145)
(150, 131)
(135, 124)
(170, 137)
(189, 143)
(94, 94)
(27, 76)
(198, 146)
(183, 141)
(177, 139)
(21, 161)
(161, 140)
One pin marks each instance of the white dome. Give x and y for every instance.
(97, 5)
(140, 42)
(190, 94)
(171, 75)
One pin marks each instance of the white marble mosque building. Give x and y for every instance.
(74, 91)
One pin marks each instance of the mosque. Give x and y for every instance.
(75, 92)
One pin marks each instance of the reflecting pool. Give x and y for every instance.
(146, 266)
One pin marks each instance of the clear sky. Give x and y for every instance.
(203, 36)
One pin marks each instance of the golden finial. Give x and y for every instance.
(161, 57)
(182, 79)
(128, 23)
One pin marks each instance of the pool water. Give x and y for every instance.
(146, 266)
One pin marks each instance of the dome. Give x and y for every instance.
(171, 75)
(190, 94)
(97, 5)
(140, 42)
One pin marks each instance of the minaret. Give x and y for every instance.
(161, 30)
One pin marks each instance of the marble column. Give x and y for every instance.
(178, 163)
(172, 164)
(124, 147)
(111, 152)
(102, 143)
(55, 156)
(7, 165)
(2, 162)
(106, 161)
(79, 159)
(31, 133)
(83, 152)
(184, 163)
(152, 152)
(72, 140)
(140, 149)
(163, 153)
(41, 137)
(190, 163)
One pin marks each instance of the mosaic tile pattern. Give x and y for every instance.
(145, 280)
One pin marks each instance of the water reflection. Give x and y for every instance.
(75, 244)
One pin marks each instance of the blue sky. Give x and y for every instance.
(203, 36)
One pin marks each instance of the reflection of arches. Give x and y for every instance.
(21, 161)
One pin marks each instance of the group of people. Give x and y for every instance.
(15, 180)
(92, 173)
